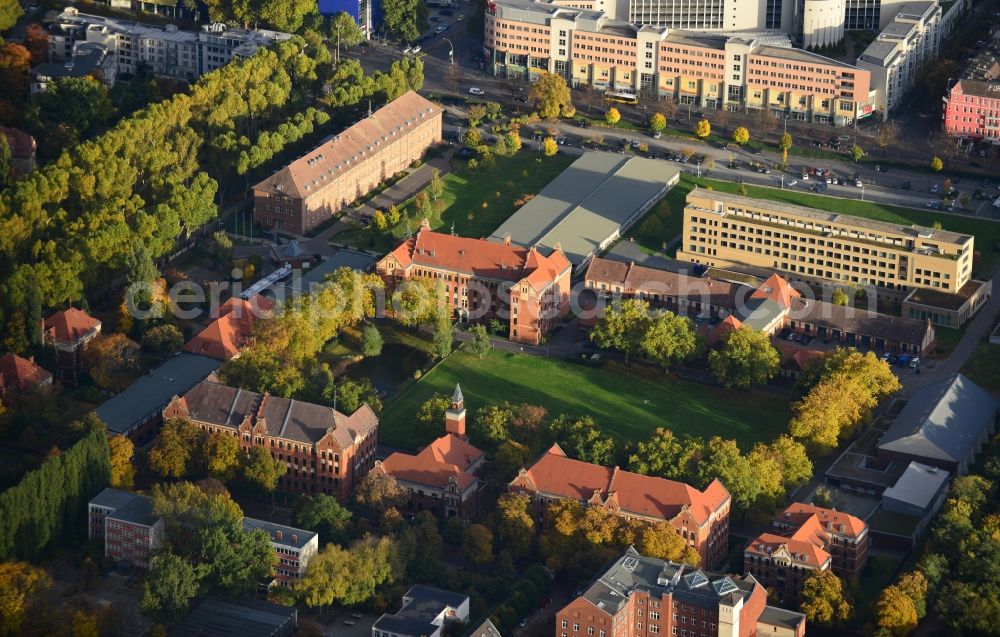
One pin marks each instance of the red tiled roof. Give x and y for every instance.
(801, 551)
(555, 474)
(22, 145)
(69, 326)
(794, 357)
(225, 336)
(808, 535)
(832, 520)
(778, 290)
(21, 374)
(324, 164)
(481, 258)
(727, 325)
(447, 457)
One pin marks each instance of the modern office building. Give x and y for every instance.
(806, 539)
(640, 595)
(899, 53)
(972, 102)
(324, 450)
(700, 517)
(740, 72)
(348, 165)
(869, 15)
(482, 279)
(166, 50)
(828, 248)
(125, 522)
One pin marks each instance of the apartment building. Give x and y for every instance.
(166, 50)
(700, 517)
(348, 165)
(870, 15)
(972, 102)
(485, 279)
(323, 450)
(294, 548)
(806, 539)
(639, 595)
(65, 334)
(442, 478)
(828, 248)
(719, 305)
(900, 51)
(746, 72)
(126, 524)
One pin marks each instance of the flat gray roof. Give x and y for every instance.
(918, 485)
(248, 618)
(588, 203)
(153, 391)
(942, 421)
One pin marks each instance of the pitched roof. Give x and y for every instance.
(480, 258)
(457, 396)
(279, 533)
(636, 279)
(212, 402)
(795, 357)
(69, 326)
(829, 519)
(801, 551)
(778, 290)
(225, 336)
(449, 457)
(723, 328)
(21, 374)
(21, 144)
(942, 421)
(555, 474)
(805, 531)
(323, 165)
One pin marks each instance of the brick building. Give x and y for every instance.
(294, 547)
(224, 337)
(348, 165)
(700, 517)
(442, 478)
(19, 376)
(64, 335)
(487, 279)
(324, 450)
(646, 596)
(22, 151)
(807, 539)
(125, 521)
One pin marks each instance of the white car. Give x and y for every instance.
(415, 50)
(793, 182)
(476, 91)
(407, 50)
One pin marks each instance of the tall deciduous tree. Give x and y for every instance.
(10, 11)
(122, 469)
(622, 327)
(23, 585)
(657, 122)
(177, 451)
(404, 19)
(746, 358)
(703, 129)
(222, 456)
(741, 135)
(551, 96)
(430, 416)
(549, 147)
(669, 339)
(895, 613)
(515, 523)
(169, 586)
(477, 544)
(323, 514)
(262, 470)
(491, 424)
(582, 439)
(824, 600)
(612, 116)
(480, 345)
(379, 492)
(371, 341)
(112, 361)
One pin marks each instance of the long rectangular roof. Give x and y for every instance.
(942, 421)
(248, 618)
(588, 203)
(918, 485)
(153, 391)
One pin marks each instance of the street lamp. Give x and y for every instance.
(451, 51)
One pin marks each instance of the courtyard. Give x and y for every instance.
(627, 402)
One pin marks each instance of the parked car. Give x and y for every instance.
(475, 90)
(935, 189)
(416, 49)
(904, 360)
(915, 362)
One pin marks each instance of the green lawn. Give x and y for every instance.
(987, 233)
(947, 339)
(627, 402)
(983, 366)
(475, 202)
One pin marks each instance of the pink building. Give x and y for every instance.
(972, 110)
(126, 522)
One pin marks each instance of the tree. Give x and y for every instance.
(222, 246)
(623, 327)
(15, 60)
(323, 514)
(477, 544)
(612, 116)
(703, 129)
(404, 19)
(824, 600)
(741, 135)
(839, 297)
(746, 358)
(83, 103)
(122, 469)
(515, 523)
(353, 393)
(371, 341)
(857, 153)
(23, 585)
(549, 147)
(657, 122)
(895, 613)
(169, 586)
(163, 339)
(10, 12)
(661, 540)
(392, 215)
(581, 439)
(5, 160)
(670, 339)
(36, 40)
(111, 361)
(379, 492)
(915, 585)
(472, 138)
(348, 576)
(514, 141)
(936, 164)
(235, 560)
(480, 345)
(379, 221)
(344, 31)
(442, 333)
(796, 467)
(491, 424)
(263, 471)
(785, 144)
(887, 135)
(551, 96)
(476, 113)
(666, 456)
(430, 416)
(176, 451)
(435, 188)
(222, 456)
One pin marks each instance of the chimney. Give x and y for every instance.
(506, 239)
(295, 538)
(454, 418)
(277, 535)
